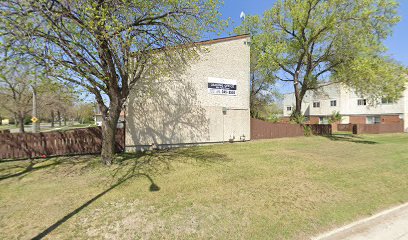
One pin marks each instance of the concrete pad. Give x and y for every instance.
(391, 224)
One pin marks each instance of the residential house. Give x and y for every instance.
(98, 118)
(319, 105)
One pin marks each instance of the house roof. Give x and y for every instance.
(224, 39)
(204, 42)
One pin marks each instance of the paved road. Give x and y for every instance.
(44, 127)
(388, 225)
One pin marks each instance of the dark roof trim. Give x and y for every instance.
(224, 39)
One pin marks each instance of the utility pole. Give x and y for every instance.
(34, 119)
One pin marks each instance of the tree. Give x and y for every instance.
(56, 99)
(85, 112)
(314, 43)
(15, 92)
(263, 94)
(106, 47)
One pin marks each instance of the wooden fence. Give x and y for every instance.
(71, 142)
(321, 129)
(378, 128)
(266, 130)
(345, 127)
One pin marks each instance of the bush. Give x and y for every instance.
(308, 131)
(297, 118)
(335, 117)
(27, 120)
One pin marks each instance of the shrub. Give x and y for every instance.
(297, 118)
(308, 131)
(27, 120)
(335, 117)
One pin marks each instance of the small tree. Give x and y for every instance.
(55, 99)
(314, 43)
(106, 47)
(335, 117)
(15, 92)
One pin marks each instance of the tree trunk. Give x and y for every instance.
(59, 118)
(52, 118)
(298, 107)
(298, 97)
(109, 124)
(35, 125)
(15, 119)
(21, 123)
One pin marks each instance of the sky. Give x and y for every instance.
(397, 44)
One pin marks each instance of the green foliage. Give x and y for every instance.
(27, 120)
(264, 96)
(84, 112)
(298, 118)
(274, 118)
(307, 131)
(105, 47)
(312, 43)
(374, 77)
(335, 117)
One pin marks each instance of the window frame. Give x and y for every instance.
(316, 104)
(323, 120)
(363, 102)
(387, 101)
(333, 101)
(373, 119)
(289, 108)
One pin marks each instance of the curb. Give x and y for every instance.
(362, 221)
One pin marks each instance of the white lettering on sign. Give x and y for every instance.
(222, 86)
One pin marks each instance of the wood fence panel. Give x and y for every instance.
(266, 130)
(34, 145)
(345, 127)
(378, 128)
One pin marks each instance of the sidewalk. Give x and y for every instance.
(391, 224)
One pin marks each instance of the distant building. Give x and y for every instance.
(319, 106)
(208, 103)
(98, 118)
(5, 121)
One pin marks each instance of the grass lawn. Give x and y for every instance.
(270, 189)
(5, 127)
(68, 127)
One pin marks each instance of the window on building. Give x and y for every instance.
(362, 102)
(373, 120)
(323, 120)
(316, 104)
(289, 108)
(333, 103)
(387, 101)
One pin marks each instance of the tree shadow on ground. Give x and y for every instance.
(22, 168)
(144, 164)
(349, 138)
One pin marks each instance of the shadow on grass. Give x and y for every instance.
(145, 165)
(22, 168)
(349, 138)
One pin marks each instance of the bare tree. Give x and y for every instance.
(15, 93)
